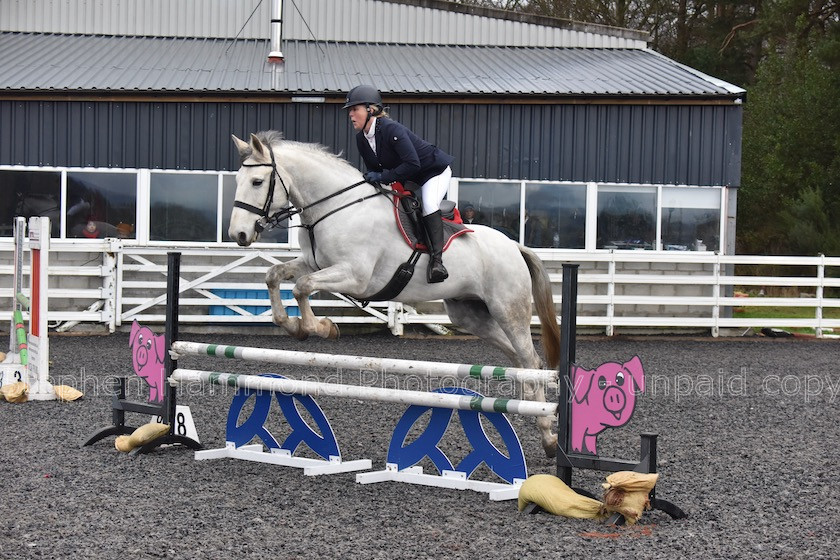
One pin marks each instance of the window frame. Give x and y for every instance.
(143, 193)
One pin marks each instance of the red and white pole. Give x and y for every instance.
(40, 388)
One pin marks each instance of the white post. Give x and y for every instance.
(40, 389)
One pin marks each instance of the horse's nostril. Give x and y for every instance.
(242, 239)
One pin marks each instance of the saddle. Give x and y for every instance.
(409, 215)
(408, 212)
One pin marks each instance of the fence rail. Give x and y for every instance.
(112, 283)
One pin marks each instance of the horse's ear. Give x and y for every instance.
(241, 145)
(258, 146)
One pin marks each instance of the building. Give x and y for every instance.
(567, 136)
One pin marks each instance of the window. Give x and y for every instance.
(690, 219)
(626, 217)
(277, 235)
(30, 193)
(496, 204)
(101, 204)
(555, 216)
(183, 207)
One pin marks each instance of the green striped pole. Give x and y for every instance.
(383, 365)
(20, 331)
(379, 394)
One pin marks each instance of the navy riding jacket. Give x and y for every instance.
(400, 154)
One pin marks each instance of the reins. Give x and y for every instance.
(267, 221)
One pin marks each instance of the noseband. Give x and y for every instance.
(264, 218)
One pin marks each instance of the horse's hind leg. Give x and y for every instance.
(474, 317)
(535, 391)
(509, 316)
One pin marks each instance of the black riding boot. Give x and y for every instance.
(434, 231)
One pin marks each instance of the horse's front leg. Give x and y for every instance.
(341, 278)
(285, 272)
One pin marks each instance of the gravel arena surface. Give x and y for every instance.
(748, 447)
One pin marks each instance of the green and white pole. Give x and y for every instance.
(362, 363)
(13, 368)
(360, 392)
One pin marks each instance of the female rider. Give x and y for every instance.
(391, 153)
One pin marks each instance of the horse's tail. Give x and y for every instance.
(541, 289)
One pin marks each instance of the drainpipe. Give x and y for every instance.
(276, 55)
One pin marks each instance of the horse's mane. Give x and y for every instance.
(274, 138)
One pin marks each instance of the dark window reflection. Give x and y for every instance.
(494, 204)
(101, 204)
(626, 218)
(276, 235)
(555, 216)
(183, 207)
(30, 193)
(690, 219)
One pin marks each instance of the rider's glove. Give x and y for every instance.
(373, 177)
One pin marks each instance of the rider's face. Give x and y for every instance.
(358, 116)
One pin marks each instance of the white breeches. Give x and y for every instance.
(433, 191)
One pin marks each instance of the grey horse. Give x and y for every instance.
(354, 247)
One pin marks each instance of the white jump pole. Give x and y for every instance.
(383, 365)
(379, 394)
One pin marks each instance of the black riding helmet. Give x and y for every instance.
(363, 95)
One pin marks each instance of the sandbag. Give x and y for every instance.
(147, 433)
(67, 393)
(627, 493)
(122, 444)
(554, 496)
(16, 392)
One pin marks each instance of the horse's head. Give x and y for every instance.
(260, 190)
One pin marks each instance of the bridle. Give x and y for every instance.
(264, 219)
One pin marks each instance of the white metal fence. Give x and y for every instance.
(112, 283)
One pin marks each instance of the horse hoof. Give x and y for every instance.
(297, 332)
(551, 448)
(334, 332)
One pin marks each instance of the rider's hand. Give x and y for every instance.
(373, 176)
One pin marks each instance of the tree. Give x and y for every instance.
(791, 154)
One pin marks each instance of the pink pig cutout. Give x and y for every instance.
(604, 397)
(147, 356)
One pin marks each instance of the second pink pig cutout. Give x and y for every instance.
(604, 397)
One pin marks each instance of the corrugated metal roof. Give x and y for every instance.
(31, 62)
(389, 21)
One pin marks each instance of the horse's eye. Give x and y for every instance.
(257, 182)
